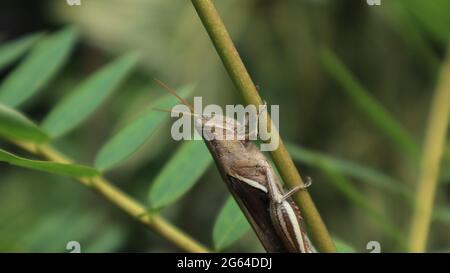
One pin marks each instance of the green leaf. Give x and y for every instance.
(180, 174)
(38, 68)
(71, 170)
(362, 173)
(15, 126)
(230, 225)
(343, 247)
(412, 36)
(130, 138)
(344, 186)
(368, 105)
(433, 17)
(87, 97)
(10, 51)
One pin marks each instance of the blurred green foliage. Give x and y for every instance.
(359, 108)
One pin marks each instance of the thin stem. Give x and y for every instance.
(430, 166)
(123, 201)
(243, 82)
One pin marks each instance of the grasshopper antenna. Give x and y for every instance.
(170, 111)
(173, 92)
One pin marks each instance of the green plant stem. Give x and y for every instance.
(241, 78)
(123, 201)
(430, 166)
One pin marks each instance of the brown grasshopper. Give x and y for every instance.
(252, 181)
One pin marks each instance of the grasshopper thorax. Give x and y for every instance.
(219, 127)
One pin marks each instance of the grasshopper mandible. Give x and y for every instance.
(252, 181)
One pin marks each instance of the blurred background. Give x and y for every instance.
(394, 51)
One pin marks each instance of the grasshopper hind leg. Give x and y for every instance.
(307, 183)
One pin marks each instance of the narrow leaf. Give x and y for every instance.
(38, 68)
(432, 17)
(353, 169)
(87, 97)
(344, 186)
(180, 174)
(129, 139)
(368, 105)
(230, 225)
(361, 173)
(71, 170)
(11, 51)
(413, 36)
(15, 126)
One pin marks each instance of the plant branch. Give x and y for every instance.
(123, 201)
(243, 82)
(430, 166)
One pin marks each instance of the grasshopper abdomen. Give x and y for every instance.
(288, 224)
